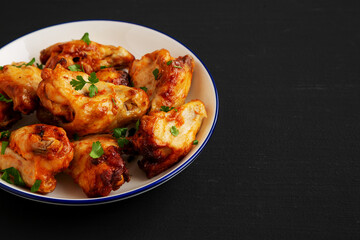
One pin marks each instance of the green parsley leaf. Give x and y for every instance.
(169, 62)
(174, 131)
(40, 66)
(5, 134)
(92, 90)
(79, 83)
(31, 62)
(92, 78)
(167, 109)
(76, 136)
(75, 68)
(4, 99)
(122, 142)
(97, 150)
(12, 175)
(144, 88)
(131, 83)
(119, 132)
(103, 67)
(113, 100)
(156, 73)
(195, 142)
(4, 145)
(177, 66)
(137, 124)
(86, 38)
(36, 185)
(1, 67)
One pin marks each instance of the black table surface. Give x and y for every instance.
(283, 162)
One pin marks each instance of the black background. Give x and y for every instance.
(283, 162)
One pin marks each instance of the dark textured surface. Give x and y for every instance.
(283, 162)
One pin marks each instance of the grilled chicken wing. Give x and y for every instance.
(113, 106)
(111, 75)
(167, 79)
(38, 152)
(90, 56)
(157, 142)
(98, 176)
(20, 82)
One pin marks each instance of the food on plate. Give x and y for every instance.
(97, 166)
(87, 54)
(164, 137)
(87, 91)
(166, 79)
(38, 152)
(19, 82)
(84, 110)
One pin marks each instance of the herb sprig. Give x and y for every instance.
(80, 82)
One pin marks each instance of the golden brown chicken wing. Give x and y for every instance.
(7, 115)
(112, 106)
(164, 138)
(167, 79)
(111, 75)
(90, 56)
(38, 152)
(98, 176)
(19, 82)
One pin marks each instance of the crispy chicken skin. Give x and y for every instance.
(111, 75)
(20, 84)
(173, 82)
(98, 176)
(91, 56)
(154, 140)
(113, 106)
(38, 151)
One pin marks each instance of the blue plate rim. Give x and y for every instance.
(122, 196)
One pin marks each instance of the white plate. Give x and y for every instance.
(138, 40)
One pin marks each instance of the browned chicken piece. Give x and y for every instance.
(167, 79)
(7, 115)
(164, 138)
(113, 106)
(19, 82)
(91, 57)
(98, 176)
(38, 152)
(111, 75)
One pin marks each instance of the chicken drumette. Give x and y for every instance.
(38, 152)
(98, 176)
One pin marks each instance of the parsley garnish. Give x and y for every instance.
(137, 124)
(177, 66)
(5, 134)
(36, 186)
(122, 142)
(156, 73)
(80, 83)
(168, 62)
(1, 67)
(195, 142)
(144, 88)
(4, 145)
(40, 66)
(86, 38)
(103, 67)
(97, 150)
(113, 101)
(76, 68)
(76, 136)
(174, 131)
(4, 99)
(167, 109)
(119, 134)
(26, 64)
(12, 176)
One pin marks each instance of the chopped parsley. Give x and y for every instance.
(4, 145)
(5, 134)
(26, 64)
(76, 68)
(80, 82)
(40, 66)
(177, 66)
(12, 176)
(86, 38)
(144, 88)
(113, 100)
(119, 134)
(137, 124)
(167, 109)
(103, 67)
(97, 150)
(168, 62)
(36, 186)
(156, 73)
(1, 67)
(4, 99)
(174, 131)
(195, 142)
